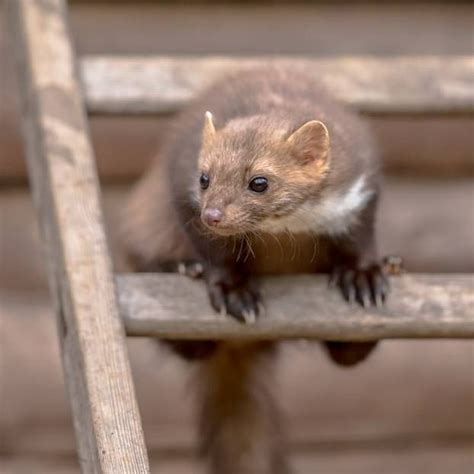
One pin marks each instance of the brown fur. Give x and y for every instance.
(256, 146)
(273, 102)
(277, 123)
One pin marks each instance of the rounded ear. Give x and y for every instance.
(209, 130)
(311, 142)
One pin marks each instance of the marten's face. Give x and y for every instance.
(252, 179)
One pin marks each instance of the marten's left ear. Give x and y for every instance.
(311, 143)
(209, 130)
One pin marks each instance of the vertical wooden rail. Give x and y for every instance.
(66, 194)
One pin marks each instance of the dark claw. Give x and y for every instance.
(362, 289)
(379, 288)
(217, 298)
(241, 305)
(347, 286)
(368, 286)
(242, 302)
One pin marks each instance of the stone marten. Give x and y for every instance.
(264, 173)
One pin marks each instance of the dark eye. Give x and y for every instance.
(204, 181)
(258, 184)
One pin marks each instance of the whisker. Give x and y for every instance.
(315, 247)
(314, 237)
(292, 243)
(249, 243)
(282, 253)
(260, 236)
(240, 249)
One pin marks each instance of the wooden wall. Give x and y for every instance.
(409, 409)
(321, 29)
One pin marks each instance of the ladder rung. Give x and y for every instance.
(407, 85)
(419, 306)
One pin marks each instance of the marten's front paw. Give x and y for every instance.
(240, 301)
(367, 286)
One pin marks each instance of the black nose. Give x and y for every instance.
(211, 216)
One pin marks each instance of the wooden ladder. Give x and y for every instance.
(95, 309)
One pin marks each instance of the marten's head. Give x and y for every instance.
(255, 173)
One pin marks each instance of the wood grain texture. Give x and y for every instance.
(66, 194)
(420, 306)
(400, 85)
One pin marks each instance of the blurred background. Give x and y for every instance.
(410, 408)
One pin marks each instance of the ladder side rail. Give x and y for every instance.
(67, 199)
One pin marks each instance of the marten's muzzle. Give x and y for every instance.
(216, 221)
(211, 216)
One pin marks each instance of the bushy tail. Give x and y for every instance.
(239, 423)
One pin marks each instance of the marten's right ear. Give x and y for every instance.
(310, 143)
(209, 130)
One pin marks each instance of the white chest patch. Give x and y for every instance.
(333, 215)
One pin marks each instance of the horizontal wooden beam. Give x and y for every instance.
(399, 85)
(420, 306)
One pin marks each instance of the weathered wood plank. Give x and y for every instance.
(420, 306)
(66, 194)
(400, 85)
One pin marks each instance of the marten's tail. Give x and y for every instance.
(239, 423)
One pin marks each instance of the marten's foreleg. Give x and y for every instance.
(361, 278)
(223, 261)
